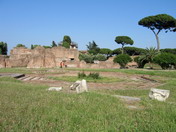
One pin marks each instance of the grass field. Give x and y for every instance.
(30, 107)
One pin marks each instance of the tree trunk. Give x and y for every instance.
(157, 39)
(158, 42)
(122, 48)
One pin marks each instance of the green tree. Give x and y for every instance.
(150, 55)
(158, 23)
(93, 48)
(20, 45)
(168, 50)
(141, 61)
(32, 47)
(147, 57)
(134, 51)
(117, 51)
(66, 41)
(3, 48)
(35, 45)
(106, 52)
(123, 40)
(53, 44)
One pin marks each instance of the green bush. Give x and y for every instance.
(122, 59)
(141, 61)
(88, 58)
(81, 75)
(95, 75)
(91, 75)
(66, 45)
(165, 60)
(47, 47)
(20, 45)
(100, 57)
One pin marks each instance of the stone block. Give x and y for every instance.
(55, 89)
(159, 94)
(79, 86)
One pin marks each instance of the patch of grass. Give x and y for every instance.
(163, 73)
(15, 70)
(155, 66)
(126, 92)
(28, 107)
(9, 79)
(88, 79)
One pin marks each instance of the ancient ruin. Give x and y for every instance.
(41, 57)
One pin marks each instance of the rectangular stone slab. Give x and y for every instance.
(14, 75)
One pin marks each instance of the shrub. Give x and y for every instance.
(100, 57)
(141, 61)
(47, 47)
(81, 75)
(66, 45)
(122, 59)
(20, 45)
(88, 58)
(95, 75)
(91, 75)
(165, 60)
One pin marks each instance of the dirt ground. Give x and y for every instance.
(131, 81)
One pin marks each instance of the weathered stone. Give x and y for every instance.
(159, 94)
(19, 57)
(127, 98)
(14, 75)
(2, 61)
(37, 58)
(36, 62)
(79, 86)
(75, 85)
(49, 60)
(55, 89)
(83, 87)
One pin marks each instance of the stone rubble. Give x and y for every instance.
(55, 89)
(79, 86)
(159, 94)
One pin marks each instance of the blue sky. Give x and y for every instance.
(42, 21)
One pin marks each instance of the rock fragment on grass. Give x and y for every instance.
(55, 89)
(79, 86)
(159, 94)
